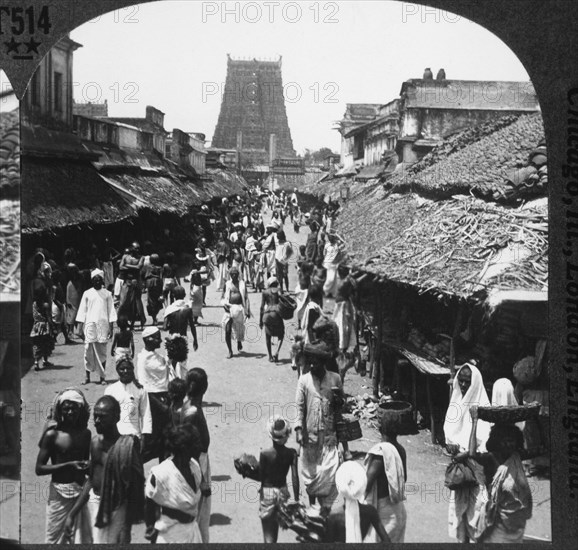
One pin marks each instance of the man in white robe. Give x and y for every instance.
(96, 315)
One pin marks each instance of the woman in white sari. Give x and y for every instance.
(173, 490)
(466, 502)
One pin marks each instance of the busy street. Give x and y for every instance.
(243, 393)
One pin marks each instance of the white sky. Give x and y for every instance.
(169, 54)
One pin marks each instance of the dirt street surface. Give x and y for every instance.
(243, 392)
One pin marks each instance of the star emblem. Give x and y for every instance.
(12, 46)
(32, 46)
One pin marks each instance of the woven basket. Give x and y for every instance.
(348, 428)
(287, 307)
(509, 414)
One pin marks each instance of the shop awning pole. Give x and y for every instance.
(377, 363)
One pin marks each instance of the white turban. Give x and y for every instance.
(71, 395)
(96, 272)
(351, 482)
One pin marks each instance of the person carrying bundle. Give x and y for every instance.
(274, 465)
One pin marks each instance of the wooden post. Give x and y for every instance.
(414, 392)
(377, 364)
(455, 334)
(432, 423)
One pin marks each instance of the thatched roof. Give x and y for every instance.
(480, 159)
(57, 193)
(219, 183)
(10, 203)
(460, 245)
(9, 154)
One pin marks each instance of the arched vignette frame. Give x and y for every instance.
(544, 37)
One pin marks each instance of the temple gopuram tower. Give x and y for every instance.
(253, 108)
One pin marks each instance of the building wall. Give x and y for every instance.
(99, 131)
(128, 138)
(48, 99)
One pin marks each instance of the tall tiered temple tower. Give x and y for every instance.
(253, 108)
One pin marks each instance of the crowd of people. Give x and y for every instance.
(154, 410)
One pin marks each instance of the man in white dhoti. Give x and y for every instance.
(386, 476)
(319, 393)
(96, 315)
(235, 301)
(65, 443)
(174, 486)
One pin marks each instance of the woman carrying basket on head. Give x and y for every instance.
(509, 506)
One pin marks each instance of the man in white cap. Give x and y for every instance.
(66, 444)
(96, 315)
(353, 522)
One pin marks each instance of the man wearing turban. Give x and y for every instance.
(96, 315)
(65, 443)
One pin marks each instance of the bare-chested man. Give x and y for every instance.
(66, 444)
(235, 301)
(113, 503)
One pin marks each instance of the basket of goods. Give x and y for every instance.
(348, 428)
(287, 306)
(248, 466)
(509, 414)
(397, 417)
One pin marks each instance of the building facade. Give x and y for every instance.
(187, 150)
(48, 99)
(424, 114)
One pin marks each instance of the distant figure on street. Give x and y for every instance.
(179, 317)
(235, 301)
(271, 319)
(122, 341)
(96, 315)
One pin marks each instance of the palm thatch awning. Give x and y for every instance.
(432, 228)
(459, 247)
(59, 193)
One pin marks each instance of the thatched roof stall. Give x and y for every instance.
(10, 205)
(60, 193)
(451, 259)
